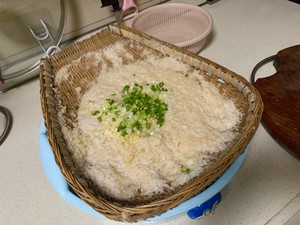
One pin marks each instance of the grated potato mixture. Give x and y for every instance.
(148, 156)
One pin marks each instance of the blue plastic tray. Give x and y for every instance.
(195, 207)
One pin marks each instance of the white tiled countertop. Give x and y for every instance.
(266, 189)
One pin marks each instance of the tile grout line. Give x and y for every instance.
(289, 202)
(290, 219)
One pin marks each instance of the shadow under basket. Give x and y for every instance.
(53, 96)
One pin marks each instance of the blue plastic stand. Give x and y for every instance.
(206, 208)
(197, 206)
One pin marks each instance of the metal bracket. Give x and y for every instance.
(42, 36)
(8, 124)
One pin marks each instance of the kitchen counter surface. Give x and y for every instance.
(266, 189)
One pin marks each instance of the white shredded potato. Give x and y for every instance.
(198, 122)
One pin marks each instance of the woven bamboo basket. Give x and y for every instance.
(234, 86)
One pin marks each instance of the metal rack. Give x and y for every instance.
(40, 37)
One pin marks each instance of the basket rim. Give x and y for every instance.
(184, 6)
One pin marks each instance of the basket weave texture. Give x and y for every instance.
(234, 86)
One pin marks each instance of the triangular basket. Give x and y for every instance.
(233, 85)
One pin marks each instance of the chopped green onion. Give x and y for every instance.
(125, 89)
(110, 101)
(154, 88)
(138, 107)
(148, 125)
(185, 169)
(94, 113)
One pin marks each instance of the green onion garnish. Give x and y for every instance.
(136, 109)
(185, 169)
(94, 113)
